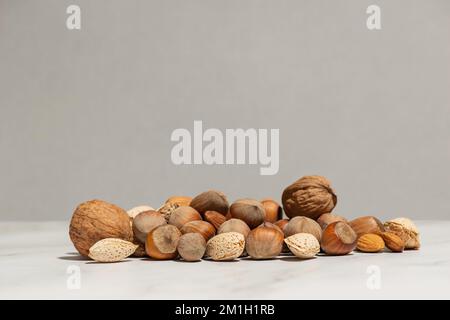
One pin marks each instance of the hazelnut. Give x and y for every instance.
(281, 223)
(265, 241)
(215, 218)
(406, 230)
(338, 238)
(327, 218)
(310, 196)
(274, 212)
(192, 246)
(96, 220)
(145, 222)
(205, 229)
(136, 210)
(248, 210)
(179, 200)
(234, 225)
(303, 225)
(367, 224)
(225, 246)
(303, 245)
(162, 242)
(210, 201)
(182, 215)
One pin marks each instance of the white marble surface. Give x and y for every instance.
(35, 257)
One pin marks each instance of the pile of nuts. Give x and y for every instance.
(206, 226)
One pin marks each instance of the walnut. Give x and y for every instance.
(310, 196)
(96, 220)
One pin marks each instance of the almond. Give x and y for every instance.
(393, 241)
(370, 242)
(111, 250)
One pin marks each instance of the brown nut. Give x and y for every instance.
(265, 241)
(393, 242)
(215, 218)
(145, 222)
(281, 223)
(310, 196)
(210, 201)
(370, 243)
(96, 220)
(367, 224)
(205, 229)
(234, 225)
(327, 218)
(405, 229)
(248, 210)
(179, 200)
(192, 246)
(338, 238)
(182, 215)
(303, 225)
(162, 242)
(274, 212)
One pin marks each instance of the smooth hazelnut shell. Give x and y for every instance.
(367, 224)
(250, 211)
(338, 238)
(191, 246)
(328, 218)
(182, 215)
(265, 241)
(204, 228)
(273, 210)
(303, 225)
(145, 222)
(281, 223)
(211, 200)
(215, 218)
(234, 225)
(162, 242)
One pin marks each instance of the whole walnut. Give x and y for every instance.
(310, 196)
(96, 220)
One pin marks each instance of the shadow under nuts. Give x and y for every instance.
(265, 241)
(182, 215)
(310, 196)
(162, 242)
(234, 225)
(367, 224)
(248, 210)
(145, 222)
(210, 201)
(205, 229)
(192, 246)
(274, 212)
(303, 225)
(338, 238)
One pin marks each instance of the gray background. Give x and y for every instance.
(88, 114)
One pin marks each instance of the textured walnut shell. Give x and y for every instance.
(95, 220)
(310, 196)
(210, 201)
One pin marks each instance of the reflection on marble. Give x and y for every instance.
(38, 261)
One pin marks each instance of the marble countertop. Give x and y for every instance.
(37, 260)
